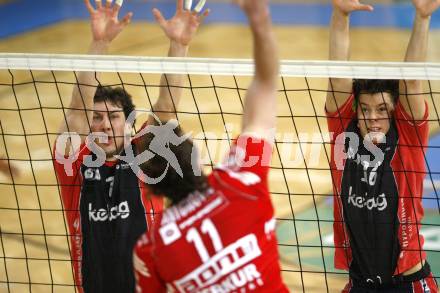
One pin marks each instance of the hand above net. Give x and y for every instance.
(105, 21)
(348, 6)
(426, 7)
(182, 27)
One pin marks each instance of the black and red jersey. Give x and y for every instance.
(107, 209)
(362, 203)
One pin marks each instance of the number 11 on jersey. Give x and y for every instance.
(207, 227)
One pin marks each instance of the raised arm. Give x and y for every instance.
(180, 30)
(411, 90)
(339, 89)
(259, 113)
(105, 27)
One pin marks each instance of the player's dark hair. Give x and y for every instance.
(173, 186)
(115, 95)
(374, 86)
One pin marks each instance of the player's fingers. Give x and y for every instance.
(204, 15)
(199, 6)
(108, 3)
(98, 4)
(89, 6)
(364, 7)
(127, 18)
(188, 4)
(435, 5)
(159, 17)
(117, 6)
(179, 5)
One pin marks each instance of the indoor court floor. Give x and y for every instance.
(61, 27)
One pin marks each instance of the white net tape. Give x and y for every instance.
(337, 69)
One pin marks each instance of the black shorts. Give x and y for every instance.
(421, 281)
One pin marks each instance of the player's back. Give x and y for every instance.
(220, 241)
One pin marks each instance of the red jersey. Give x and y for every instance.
(408, 169)
(107, 209)
(220, 241)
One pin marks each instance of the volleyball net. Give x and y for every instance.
(36, 89)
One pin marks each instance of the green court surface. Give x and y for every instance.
(307, 242)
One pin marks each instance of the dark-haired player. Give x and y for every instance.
(218, 235)
(379, 133)
(106, 207)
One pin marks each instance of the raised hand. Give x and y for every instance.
(182, 27)
(348, 6)
(104, 20)
(426, 7)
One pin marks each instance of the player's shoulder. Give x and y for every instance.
(246, 162)
(67, 168)
(238, 184)
(235, 176)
